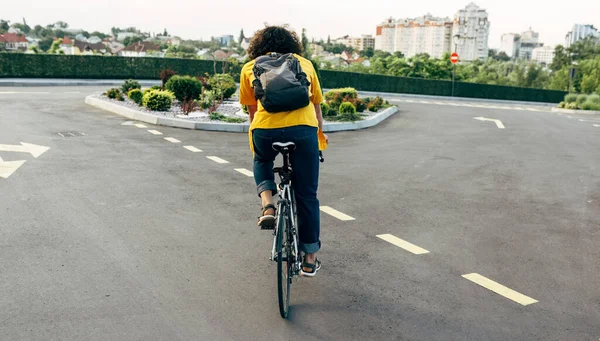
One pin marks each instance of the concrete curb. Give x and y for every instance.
(575, 112)
(222, 126)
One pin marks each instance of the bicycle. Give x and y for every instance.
(285, 234)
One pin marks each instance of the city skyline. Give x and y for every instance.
(199, 21)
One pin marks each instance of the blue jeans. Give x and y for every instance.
(305, 163)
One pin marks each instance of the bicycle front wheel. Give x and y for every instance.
(284, 261)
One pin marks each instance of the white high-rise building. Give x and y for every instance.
(426, 34)
(511, 44)
(580, 32)
(470, 33)
(543, 54)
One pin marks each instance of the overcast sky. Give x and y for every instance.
(202, 19)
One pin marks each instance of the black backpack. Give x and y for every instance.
(280, 84)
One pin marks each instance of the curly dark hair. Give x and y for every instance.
(274, 39)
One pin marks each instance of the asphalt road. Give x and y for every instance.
(120, 234)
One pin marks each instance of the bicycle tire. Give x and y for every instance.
(283, 262)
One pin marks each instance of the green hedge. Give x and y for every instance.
(98, 67)
(419, 86)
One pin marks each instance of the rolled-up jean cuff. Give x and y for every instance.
(310, 248)
(266, 185)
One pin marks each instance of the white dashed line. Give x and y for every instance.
(192, 149)
(245, 172)
(155, 132)
(336, 213)
(172, 140)
(597, 125)
(438, 103)
(499, 289)
(217, 159)
(139, 125)
(403, 244)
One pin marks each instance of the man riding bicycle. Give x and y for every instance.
(283, 95)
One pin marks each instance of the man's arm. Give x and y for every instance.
(251, 111)
(319, 115)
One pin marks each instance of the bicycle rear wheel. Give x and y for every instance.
(284, 261)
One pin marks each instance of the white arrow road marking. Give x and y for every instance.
(7, 168)
(498, 122)
(33, 149)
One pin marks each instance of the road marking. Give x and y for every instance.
(172, 140)
(498, 122)
(597, 125)
(336, 213)
(499, 289)
(410, 101)
(139, 125)
(73, 92)
(245, 172)
(128, 123)
(403, 244)
(425, 102)
(217, 159)
(438, 103)
(32, 149)
(192, 149)
(155, 132)
(22, 92)
(532, 109)
(518, 108)
(7, 168)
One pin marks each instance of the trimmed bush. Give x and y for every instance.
(325, 109)
(112, 93)
(135, 95)
(375, 104)
(344, 92)
(184, 87)
(571, 98)
(347, 108)
(571, 106)
(223, 82)
(158, 100)
(562, 104)
(594, 99)
(360, 105)
(590, 106)
(130, 84)
(581, 99)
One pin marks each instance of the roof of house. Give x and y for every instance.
(82, 45)
(13, 38)
(66, 41)
(142, 46)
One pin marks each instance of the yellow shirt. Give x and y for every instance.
(262, 119)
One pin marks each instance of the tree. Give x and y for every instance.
(45, 44)
(131, 40)
(23, 27)
(399, 54)
(242, 37)
(328, 40)
(305, 51)
(59, 34)
(165, 33)
(502, 56)
(85, 34)
(55, 47)
(61, 24)
(4, 26)
(99, 35)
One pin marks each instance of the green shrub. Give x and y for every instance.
(135, 95)
(594, 99)
(113, 93)
(571, 98)
(590, 106)
(184, 87)
(571, 106)
(245, 109)
(158, 100)
(234, 120)
(344, 92)
(325, 109)
(562, 104)
(129, 85)
(223, 82)
(347, 108)
(581, 99)
(208, 99)
(375, 104)
(360, 105)
(215, 116)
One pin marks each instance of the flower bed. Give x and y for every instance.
(581, 102)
